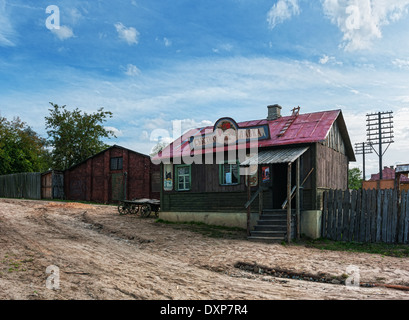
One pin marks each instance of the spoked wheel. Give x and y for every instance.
(145, 210)
(133, 209)
(122, 209)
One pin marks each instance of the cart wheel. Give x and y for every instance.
(122, 209)
(156, 212)
(145, 210)
(133, 209)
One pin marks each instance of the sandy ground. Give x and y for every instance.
(104, 256)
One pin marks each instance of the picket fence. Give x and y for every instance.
(366, 216)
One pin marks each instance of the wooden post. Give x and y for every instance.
(289, 203)
(297, 197)
(260, 202)
(249, 207)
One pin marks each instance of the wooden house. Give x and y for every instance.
(114, 174)
(281, 157)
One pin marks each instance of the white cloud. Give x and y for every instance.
(167, 42)
(130, 35)
(117, 132)
(6, 29)
(401, 63)
(281, 11)
(329, 60)
(132, 70)
(361, 21)
(63, 32)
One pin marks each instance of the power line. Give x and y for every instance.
(380, 132)
(363, 148)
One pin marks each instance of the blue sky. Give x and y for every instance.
(194, 61)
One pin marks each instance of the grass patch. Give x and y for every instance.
(207, 230)
(384, 249)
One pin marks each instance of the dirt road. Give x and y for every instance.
(101, 255)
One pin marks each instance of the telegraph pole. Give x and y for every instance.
(363, 148)
(380, 132)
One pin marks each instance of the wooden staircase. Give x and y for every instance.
(271, 227)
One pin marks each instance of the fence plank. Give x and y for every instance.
(378, 215)
(384, 215)
(362, 224)
(358, 215)
(346, 214)
(339, 215)
(373, 215)
(368, 216)
(330, 213)
(406, 220)
(394, 222)
(389, 215)
(354, 198)
(401, 217)
(324, 214)
(334, 217)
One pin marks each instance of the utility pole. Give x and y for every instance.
(380, 132)
(363, 148)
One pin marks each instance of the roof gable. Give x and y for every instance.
(305, 128)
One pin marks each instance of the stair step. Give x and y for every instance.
(275, 211)
(272, 222)
(266, 239)
(282, 228)
(270, 234)
(273, 217)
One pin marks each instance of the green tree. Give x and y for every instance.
(21, 149)
(75, 136)
(354, 179)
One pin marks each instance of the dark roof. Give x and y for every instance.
(103, 151)
(307, 128)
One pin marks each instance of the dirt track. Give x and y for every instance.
(104, 256)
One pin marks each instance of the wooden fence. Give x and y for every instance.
(366, 216)
(21, 185)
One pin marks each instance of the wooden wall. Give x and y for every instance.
(93, 180)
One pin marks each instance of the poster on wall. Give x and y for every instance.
(253, 178)
(168, 177)
(265, 174)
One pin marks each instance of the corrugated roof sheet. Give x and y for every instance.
(402, 168)
(285, 155)
(306, 128)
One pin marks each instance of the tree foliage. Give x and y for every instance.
(21, 149)
(354, 179)
(75, 136)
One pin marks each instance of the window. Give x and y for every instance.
(229, 174)
(116, 163)
(183, 178)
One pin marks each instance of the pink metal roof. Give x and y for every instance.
(306, 128)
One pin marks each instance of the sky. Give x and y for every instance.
(165, 66)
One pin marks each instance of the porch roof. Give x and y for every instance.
(283, 155)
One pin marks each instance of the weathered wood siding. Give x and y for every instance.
(93, 180)
(366, 216)
(332, 171)
(52, 185)
(21, 185)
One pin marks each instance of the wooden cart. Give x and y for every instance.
(140, 207)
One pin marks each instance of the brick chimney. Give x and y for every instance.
(274, 112)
